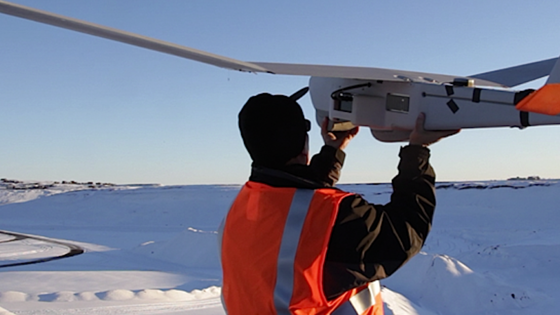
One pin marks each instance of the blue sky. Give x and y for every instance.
(76, 107)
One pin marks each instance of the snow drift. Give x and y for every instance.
(152, 249)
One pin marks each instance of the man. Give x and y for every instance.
(293, 244)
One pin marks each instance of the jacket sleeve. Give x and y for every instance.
(326, 165)
(370, 242)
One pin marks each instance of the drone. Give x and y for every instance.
(384, 100)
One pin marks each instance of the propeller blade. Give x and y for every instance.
(127, 37)
(299, 94)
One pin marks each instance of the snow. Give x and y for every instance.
(151, 249)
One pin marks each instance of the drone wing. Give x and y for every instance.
(126, 37)
(496, 78)
(363, 73)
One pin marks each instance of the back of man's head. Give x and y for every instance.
(273, 129)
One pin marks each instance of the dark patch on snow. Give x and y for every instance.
(12, 184)
(517, 184)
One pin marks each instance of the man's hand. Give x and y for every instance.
(337, 139)
(423, 137)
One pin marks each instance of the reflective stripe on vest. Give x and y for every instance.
(283, 290)
(288, 247)
(360, 302)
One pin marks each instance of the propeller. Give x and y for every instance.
(297, 95)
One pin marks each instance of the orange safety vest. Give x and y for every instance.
(274, 244)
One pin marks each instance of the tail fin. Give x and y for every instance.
(554, 76)
(545, 100)
(519, 74)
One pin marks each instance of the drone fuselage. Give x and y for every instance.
(390, 108)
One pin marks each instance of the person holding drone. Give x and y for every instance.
(292, 243)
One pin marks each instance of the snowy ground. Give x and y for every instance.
(151, 249)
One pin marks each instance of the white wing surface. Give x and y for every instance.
(125, 37)
(363, 73)
(496, 78)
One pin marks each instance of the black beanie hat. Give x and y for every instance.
(273, 129)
